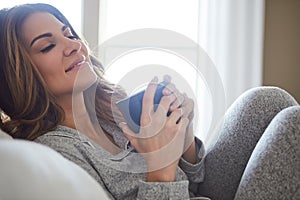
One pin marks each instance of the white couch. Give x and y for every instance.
(33, 171)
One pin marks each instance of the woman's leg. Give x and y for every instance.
(244, 123)
(273, 171)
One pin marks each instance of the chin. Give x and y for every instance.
(85, 78)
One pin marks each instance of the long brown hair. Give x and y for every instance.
(24, 95)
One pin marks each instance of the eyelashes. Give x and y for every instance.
(51, 46)
(73, 37)
(48, 48)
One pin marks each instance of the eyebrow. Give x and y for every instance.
(63, 28)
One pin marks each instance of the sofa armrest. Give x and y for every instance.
(33, 171)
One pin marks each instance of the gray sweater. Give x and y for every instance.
(123, 175)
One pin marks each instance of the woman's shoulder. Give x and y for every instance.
(59, 136)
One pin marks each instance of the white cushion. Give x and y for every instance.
(32, 171)
(4, 135)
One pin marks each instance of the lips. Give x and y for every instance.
(76, 64)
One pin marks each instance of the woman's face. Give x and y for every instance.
(60, 57)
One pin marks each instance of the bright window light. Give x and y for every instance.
(117, 17)
(180, 16)
(120, 16)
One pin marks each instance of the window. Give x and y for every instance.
(226, 30)
(180, 17)
(121, 16)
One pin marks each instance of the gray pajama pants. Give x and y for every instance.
(257, 155)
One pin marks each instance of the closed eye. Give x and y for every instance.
(48, 48)
(72, 37)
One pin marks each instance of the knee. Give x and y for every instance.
(284, 132)
(288, 121)
(273, 98)
(271, 94)
(291, 114)
(260, 104)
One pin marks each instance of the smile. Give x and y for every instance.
(77, 64)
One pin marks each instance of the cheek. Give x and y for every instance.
(47, 65)
(52, 72)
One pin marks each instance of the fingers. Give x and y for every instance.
(171, 89)
(175, 117)
(185, 104)
(188, 107)
(184, 123)
(148, 99)
(181, 98)
(179, 101)
(165, 103)
(173, 99)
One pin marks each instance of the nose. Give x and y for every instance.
(71, 46)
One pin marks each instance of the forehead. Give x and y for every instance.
(39, 23)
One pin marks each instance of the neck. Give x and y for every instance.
(74, 109)
(77, 117)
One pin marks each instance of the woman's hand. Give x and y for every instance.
(161, 137)
(187, 105)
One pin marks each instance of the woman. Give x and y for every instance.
(42, 62)
(43, 57)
